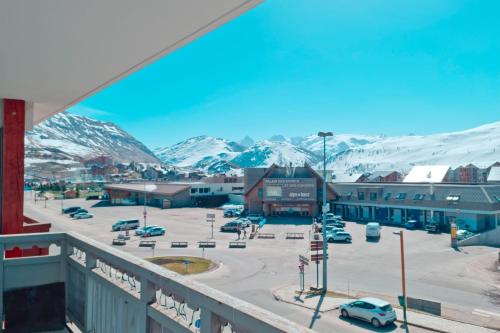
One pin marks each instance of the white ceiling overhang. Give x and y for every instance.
(55, 53)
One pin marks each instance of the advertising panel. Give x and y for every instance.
(289, 189)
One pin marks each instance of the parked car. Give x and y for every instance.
(155, 231)
(140, 231)
(231, 213)
(336, 223)
(231, 226)
(329, 227)
(72, 209)
(338, 236)
(373, 310)
(255, 218)
(373, 230)
(81, 210)
(464, 234)
(245, 222)
(432, 228)
(411, 225)
(83, 216)
(125, 224)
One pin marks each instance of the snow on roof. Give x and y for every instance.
(494, 175)
(346, 177)
(427, 174)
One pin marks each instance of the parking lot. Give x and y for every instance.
(458, 279)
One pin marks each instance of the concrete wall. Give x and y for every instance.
(488, 238)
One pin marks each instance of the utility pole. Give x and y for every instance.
(403, 276)
(145, 212)
(325, 210)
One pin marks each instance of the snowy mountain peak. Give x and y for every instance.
(67, 139)
(346, 153)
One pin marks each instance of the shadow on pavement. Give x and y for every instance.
(368, 326)
(316, 314)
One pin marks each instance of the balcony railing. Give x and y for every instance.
(110, 291)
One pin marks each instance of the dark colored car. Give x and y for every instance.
(432, 228)
(81, 210)
(73, 209)
(411, 225)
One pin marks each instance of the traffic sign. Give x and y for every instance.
(303, 260)
(317, 245)
(210, 216)
(318, 257)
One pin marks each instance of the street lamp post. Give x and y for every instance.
(403, 275)
(324, 135)
(145, 212)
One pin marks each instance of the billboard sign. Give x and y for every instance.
(289, 189)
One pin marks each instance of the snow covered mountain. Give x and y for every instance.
(267, 152)
(66, 139)
(203, 153)
(346, 153)
(480, 146)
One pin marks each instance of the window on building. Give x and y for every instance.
(349, 195)
(453, 198)
(361, 195)
(387, 196)
(194, 190)
(237, 188)
(206, 189)
(419, 196)
(401, 196)
(373, 196)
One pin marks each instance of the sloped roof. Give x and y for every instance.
(427, 174)
(346, 178)
(494, 175)
(165, 189)
(376, 174)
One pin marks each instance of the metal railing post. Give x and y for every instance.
(210, 322)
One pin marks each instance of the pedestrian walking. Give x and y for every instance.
(238, 231)
(244, 233)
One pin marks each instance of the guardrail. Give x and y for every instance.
(266, 235)
(147, 243)
(108, 290)
(178, 244)
(206, 244)
(294, 235)
(237, 245)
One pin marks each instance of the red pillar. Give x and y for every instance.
(13, 166)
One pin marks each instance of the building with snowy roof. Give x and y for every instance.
(428, 174)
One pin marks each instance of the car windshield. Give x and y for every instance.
(386, 308)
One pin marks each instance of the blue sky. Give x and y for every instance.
(294, 67)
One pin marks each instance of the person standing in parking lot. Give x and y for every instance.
(244, 233)
(238, 231)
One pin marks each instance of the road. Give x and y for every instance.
(434, 270)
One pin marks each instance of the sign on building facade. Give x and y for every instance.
(289, 189)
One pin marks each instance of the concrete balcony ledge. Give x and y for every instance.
(108, 291)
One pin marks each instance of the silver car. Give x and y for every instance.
(373, 310)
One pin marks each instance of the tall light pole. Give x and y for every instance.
(403, 275)
(324, 135)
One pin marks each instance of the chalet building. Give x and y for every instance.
(285, 191)
(163, 195)
(383, 177)
(494, 175)
(471, 206)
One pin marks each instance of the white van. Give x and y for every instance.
(372, 230)
(125, 224)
